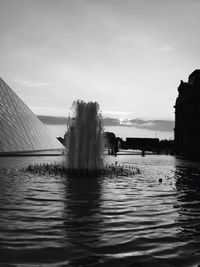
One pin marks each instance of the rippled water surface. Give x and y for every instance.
(110, 221)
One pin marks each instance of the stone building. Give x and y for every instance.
(187, 117)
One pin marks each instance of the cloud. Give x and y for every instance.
(153, 125)
(45, 111)
(53, 120)
(116, 112)
(166, 48)
(30, 83)
(111, 122)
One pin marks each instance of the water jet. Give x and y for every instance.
(84, 138)
(84, 147)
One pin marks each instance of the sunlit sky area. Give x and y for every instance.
(127, 55)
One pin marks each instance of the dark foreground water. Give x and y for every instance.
(118, 221)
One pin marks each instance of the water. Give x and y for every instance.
(84, 138)
(121, 221)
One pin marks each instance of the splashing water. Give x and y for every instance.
(84, 140)
(84, 147)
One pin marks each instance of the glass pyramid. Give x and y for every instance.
(20, 129)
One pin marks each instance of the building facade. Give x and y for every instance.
(187, 117)
(20, 130)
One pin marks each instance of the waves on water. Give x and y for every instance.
(124, 221)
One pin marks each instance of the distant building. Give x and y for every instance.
(20, 130)
(146, 144)
(187, 117)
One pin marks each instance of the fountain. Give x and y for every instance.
(84, 140)
(84, 147)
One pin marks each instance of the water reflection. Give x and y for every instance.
(188, 185)
(188, 207)
(30, 218)
(82, 222)
(132, 221)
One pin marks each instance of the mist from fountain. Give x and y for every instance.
(84, 140)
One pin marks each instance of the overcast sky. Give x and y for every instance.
(128, 55)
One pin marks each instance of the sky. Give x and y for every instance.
(128, 55)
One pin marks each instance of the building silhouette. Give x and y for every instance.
(187, 117)
(20, 130)
(145, 144)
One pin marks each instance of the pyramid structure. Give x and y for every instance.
(20, 129)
